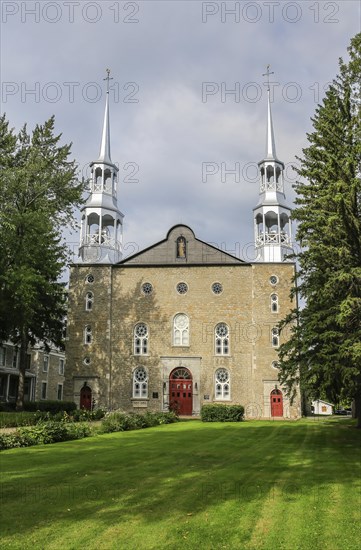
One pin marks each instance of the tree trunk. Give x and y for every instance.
(358, 411)
(24, 342)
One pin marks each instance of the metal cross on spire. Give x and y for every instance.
(108, 78)
(267, 74)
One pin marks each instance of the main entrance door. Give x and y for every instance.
(276, 403)
(180, 391)
(86, 398)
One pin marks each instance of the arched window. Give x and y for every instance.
(140, 383)
(107, 181)
(140, 339)
(221, 339)
(274, 303)
(98, 176)
(275, 337)
(89, 299)
(88, 335)
(181, 330)
(222, 384)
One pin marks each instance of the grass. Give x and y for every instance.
(253, 485)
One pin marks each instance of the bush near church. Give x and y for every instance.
(222, 413)
(121, 422)
(50, 406)
(44, 433)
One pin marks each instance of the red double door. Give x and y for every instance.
(276, 403)
(180, 391)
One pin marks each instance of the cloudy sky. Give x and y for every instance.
(188, 99)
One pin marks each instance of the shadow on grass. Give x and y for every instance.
(176, 469)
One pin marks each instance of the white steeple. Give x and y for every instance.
(102, 222)
(272, 224)
(270, 141)
(104, 155)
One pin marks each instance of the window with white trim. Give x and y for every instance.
(221, 339)
(46, 363)
(222, 384)
(60, 392)
(181, 330)
(140, 383)
(140, 339)
(275, 335)
(2, 356)
(88, 335)
(44, 390)
(274, 303)
(61, 367)
(89, 300)
(273, 279)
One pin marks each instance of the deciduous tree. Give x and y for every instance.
(39, 192)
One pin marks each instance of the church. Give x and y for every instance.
(182, 323)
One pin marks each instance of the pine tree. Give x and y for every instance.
(324, 352)
(39, 192)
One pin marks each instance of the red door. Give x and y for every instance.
(86, 398)
(276, 403)
(180, 391)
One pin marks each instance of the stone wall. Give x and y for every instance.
(119, 304)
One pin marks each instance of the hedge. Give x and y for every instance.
(222, 413)
(122, 422)
(16, 419)
(50, 406)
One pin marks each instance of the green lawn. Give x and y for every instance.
(264, 485)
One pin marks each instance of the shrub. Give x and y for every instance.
(7, 407)
(121, 422)
(222, 413)
(15, 419)
(50, 406)
(43, 433)
(84, 414)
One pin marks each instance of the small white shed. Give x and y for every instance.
(321, 407)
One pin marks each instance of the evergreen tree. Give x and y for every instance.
(324, 352)
(39, 192)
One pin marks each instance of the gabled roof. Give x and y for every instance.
(182, 248)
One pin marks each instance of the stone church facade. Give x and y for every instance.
(182, 323)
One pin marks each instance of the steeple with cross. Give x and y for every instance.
(272, 223)
(102, 221)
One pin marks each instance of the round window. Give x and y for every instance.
(182, 288)
(147, 288)
(90, 279)
(217, 288)
(87, 361)
(273, 280)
